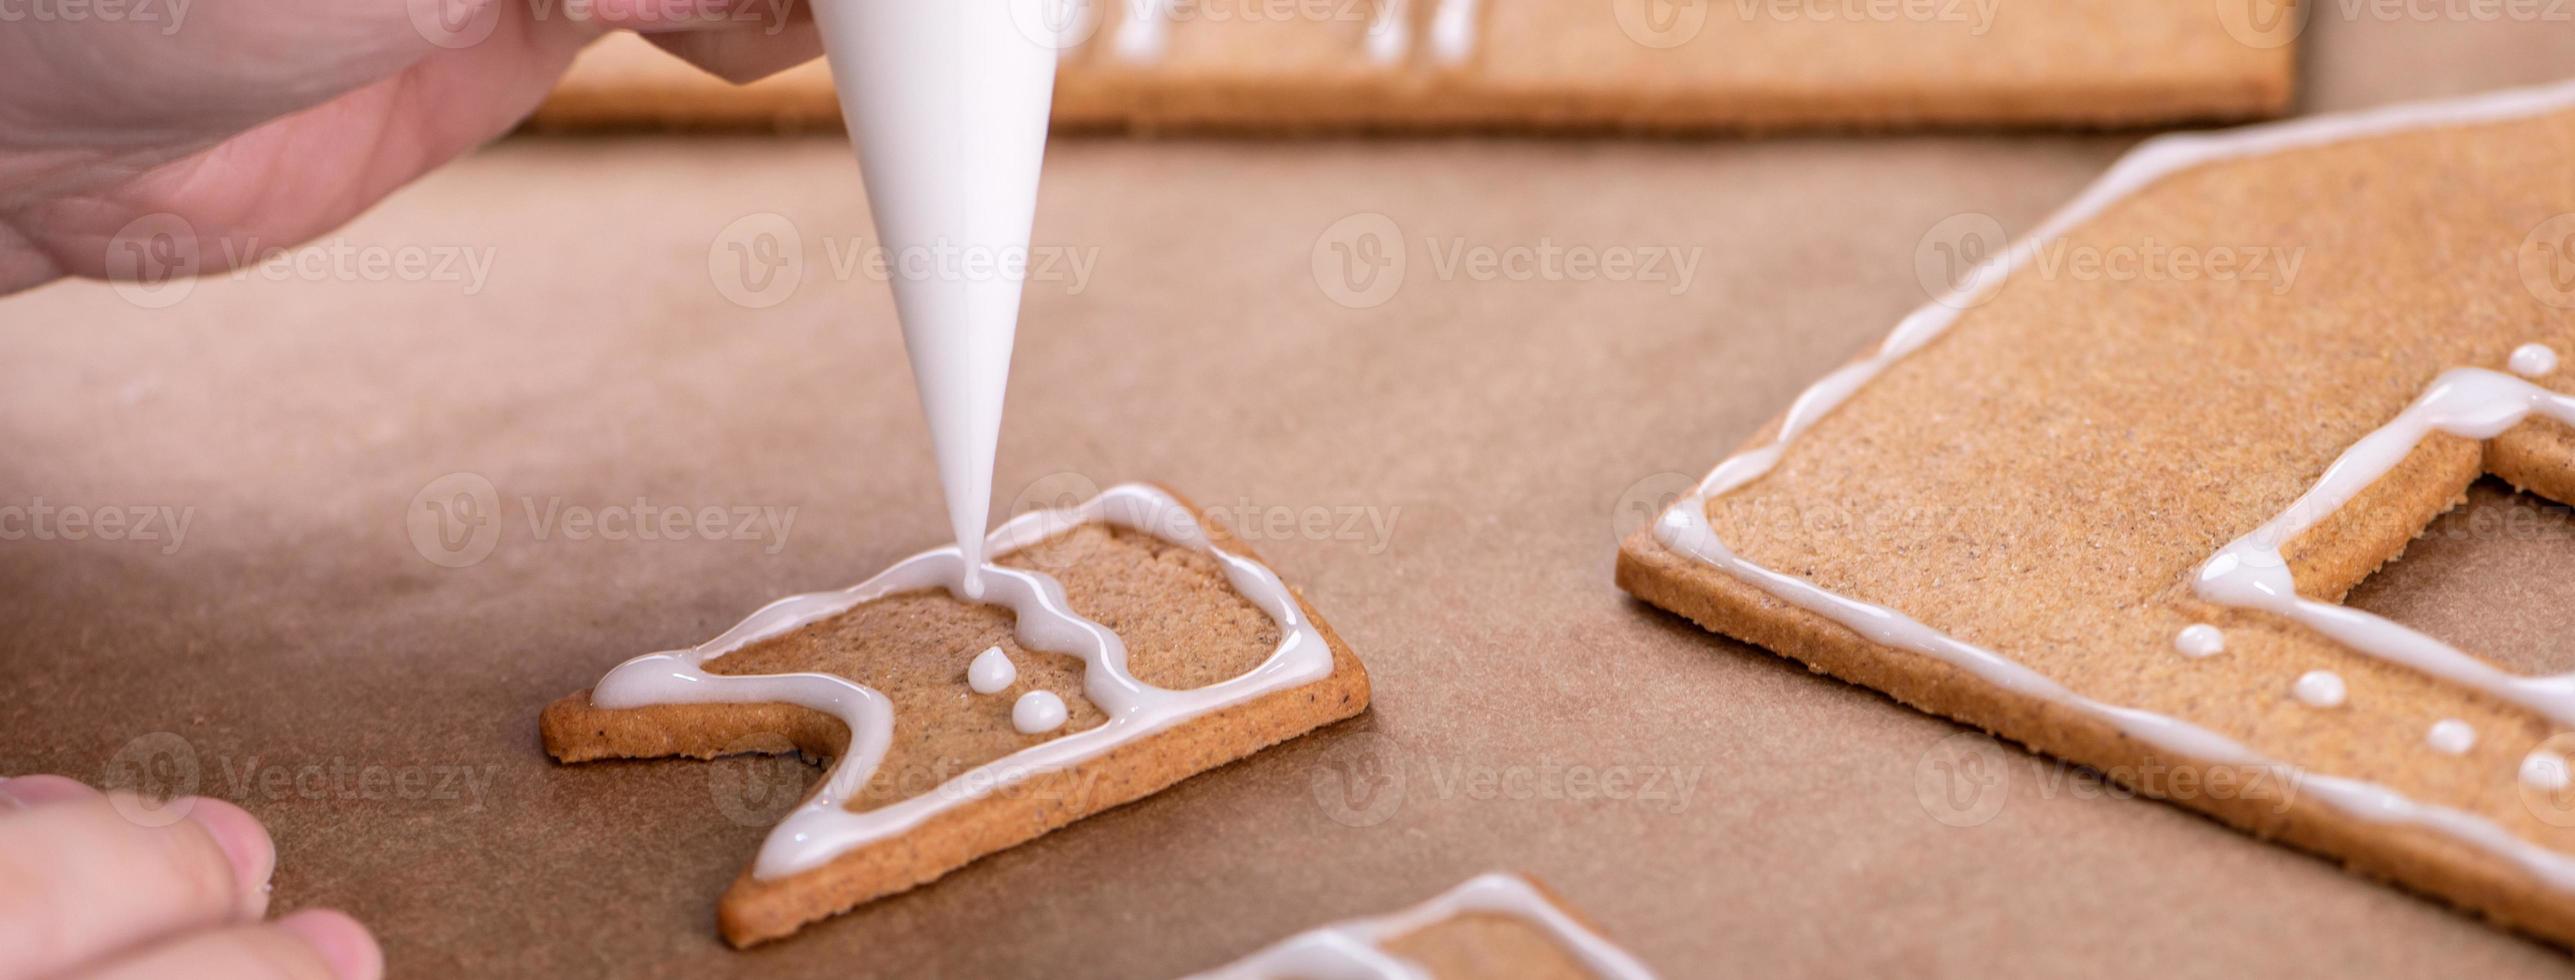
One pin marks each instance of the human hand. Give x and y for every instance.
(87, 892)
(262, 123)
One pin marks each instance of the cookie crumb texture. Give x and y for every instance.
(2046, 479)
(1259, 66)
(1184, 625)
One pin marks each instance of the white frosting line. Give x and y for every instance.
(1352, 950)
(2319, 689)
(991, 672)
(1145, 31)
(2450, 736)
(1684, 528)
(2532, 360)
(821, 829)
(1453, 32)
(1037, 712)
(1390, 32)
(2200, 640)
(2544, 770)
(2250, 573)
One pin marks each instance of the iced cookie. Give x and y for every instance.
(2104, 496)
(1495, 927)
(1265, 66)
(1121, 646)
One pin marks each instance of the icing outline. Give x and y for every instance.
(821, 828)
(1684, 529)
(1351, 950)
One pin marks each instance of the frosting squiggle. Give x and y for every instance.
(1684, 528)
(821, 828)
(1351, 950)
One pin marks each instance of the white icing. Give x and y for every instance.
(947, 106)
(1453, 32)
(1145, 32)
(2319, 689)
(2250, 573)
(2544, 770)
(820, 828)
(2532, 360)
(1037, 712)
(2200, 640)
(2450, 736)
(1390, 33)
(1684, 528)
(991, 671)
(1352, 950)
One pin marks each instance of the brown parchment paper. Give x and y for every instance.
(1473, 446)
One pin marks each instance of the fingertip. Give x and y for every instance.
(246, 846)
(341, 941)
(21, 792)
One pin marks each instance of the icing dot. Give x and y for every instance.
(2532, 360)
(2200, 640)
(2450, 736)
(991, 671)
(2319, 689)
(1037, 712)
(2544, 770)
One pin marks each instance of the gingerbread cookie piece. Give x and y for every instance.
(1523, 65)
(1119, 647)
(2103, 498)
(1496, 926)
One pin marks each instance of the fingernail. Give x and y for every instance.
(21, 792)
(245, 844)
(341, 941)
